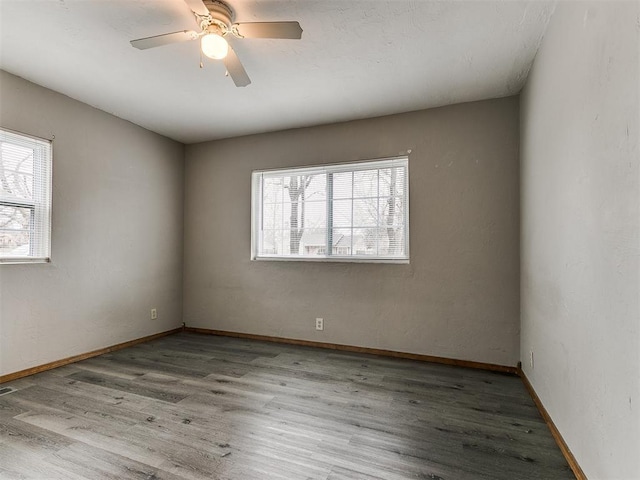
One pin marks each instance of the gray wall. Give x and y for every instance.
(580, 241)
(117, 233)
(458, 298)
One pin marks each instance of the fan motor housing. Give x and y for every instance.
(220, 11)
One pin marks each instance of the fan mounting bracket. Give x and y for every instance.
(220, 12)
(219, 19)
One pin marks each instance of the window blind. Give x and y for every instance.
(25, 198)
(351, 211)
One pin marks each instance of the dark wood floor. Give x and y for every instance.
(204, 407)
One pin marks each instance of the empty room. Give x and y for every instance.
(328, 240)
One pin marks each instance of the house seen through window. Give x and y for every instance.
(25, 198)
(343, 212)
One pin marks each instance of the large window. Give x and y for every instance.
(25, 198)
(343, 212)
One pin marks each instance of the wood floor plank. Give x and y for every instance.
(36, 396)
(116, 383)
(191, 406)
(9, 409)
(30, 439)
(16, 464)
(87, 461)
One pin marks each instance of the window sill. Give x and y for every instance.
(332, 259)
(22, 260)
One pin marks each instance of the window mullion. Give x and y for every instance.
(378, 215)
(260, 219)
(17, 204)
(329, 195)
(353, 193)
(32, 232)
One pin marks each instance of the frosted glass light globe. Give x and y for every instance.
(214, 46)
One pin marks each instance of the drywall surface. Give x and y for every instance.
(458, 297)
(580, 242)
(116, 234)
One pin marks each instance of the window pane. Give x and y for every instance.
(341, 213)
(395, 242)
(316, 187)
(365, 212)
(315, 214)
(272, 190)
(342, 185)
(273, 216)
(365, 183)
(314, 242)
(342, 242)
(391, 211)
(369, 241)
(391, 181)
(293, 206)
(275, 242)
(15, 218)
(15, 231)
(14, 244)
(391, 240)
(16, 171)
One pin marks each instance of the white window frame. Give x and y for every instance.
(257, 177)
(40, 207)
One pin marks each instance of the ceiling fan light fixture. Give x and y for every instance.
(216, 21)
(214, 46)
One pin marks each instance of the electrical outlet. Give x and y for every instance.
(319, 324)
(154, 314)
(531, 359)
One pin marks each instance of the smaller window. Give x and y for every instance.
(25, 198)
(342, 212)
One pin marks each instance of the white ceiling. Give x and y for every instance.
(356, 59)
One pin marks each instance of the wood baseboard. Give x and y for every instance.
(352, 348)
(76, 358)
(564, 448)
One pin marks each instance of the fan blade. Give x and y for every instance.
(197, 6)
(290, 30)
(235, 69)
(166, 39)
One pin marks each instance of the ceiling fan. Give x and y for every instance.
(215, 19)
